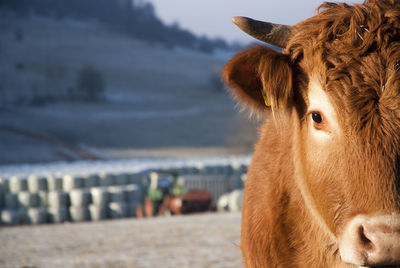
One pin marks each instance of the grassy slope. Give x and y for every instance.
(159, 101)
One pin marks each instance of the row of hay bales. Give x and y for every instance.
(41, 199)
(57, 195)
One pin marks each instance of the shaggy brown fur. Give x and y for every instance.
(298, 196)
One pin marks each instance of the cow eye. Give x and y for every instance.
(319, 122)
(316, 117)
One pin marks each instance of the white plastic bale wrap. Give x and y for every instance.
(79, 197)
(9, 217)
(117, 194)
(57, 199)
(4, 184)
(28, 200)
(118, 210)
(37, 215)
(100, 196)
(236, 200)
(71, 182)
(54, 183)
(98, 212)
(43, 199)
(57, 214)
(37, 183)
(79, 213)
(223, 203)
(18, 184)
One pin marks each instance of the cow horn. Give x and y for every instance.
(274, 34)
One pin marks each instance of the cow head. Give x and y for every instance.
(337, 83)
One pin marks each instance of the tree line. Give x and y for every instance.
(135, 18)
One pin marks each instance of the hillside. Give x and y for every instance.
(157, 100)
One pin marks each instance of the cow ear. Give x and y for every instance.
(260, 77)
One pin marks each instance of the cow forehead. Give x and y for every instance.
(362, 92)
(358, 50)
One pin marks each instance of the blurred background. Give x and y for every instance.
(103, 79)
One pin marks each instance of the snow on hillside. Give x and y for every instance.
(157, 100)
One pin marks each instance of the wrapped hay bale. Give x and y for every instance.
(71, 182)
(106, 179)
(97, 212)
(37, 215)
(9, 217)
(37, 183)
(236, 200)
(57, 199)
(118, 210)
(17, 184)
(117, 194)
(91, 180)
(54, 183)
(135, 178)
(4, 184)
(133, 193)
(43, 199)
(121, 179)
(2, 202)
(223, 203)
(57, 214)
(28, 200)
(23, 215)
(79, 197)
(10, 201)
(100, 196)
(3, 190)
(79, 213)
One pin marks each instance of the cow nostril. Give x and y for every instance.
(365, 242)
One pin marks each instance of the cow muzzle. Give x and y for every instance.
(371, 241)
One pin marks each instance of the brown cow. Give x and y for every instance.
(323, 187)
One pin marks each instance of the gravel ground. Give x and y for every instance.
(203, 240)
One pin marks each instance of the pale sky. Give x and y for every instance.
(213, 17)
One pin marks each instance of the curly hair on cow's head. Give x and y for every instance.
(350, 29)
(357, 49)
